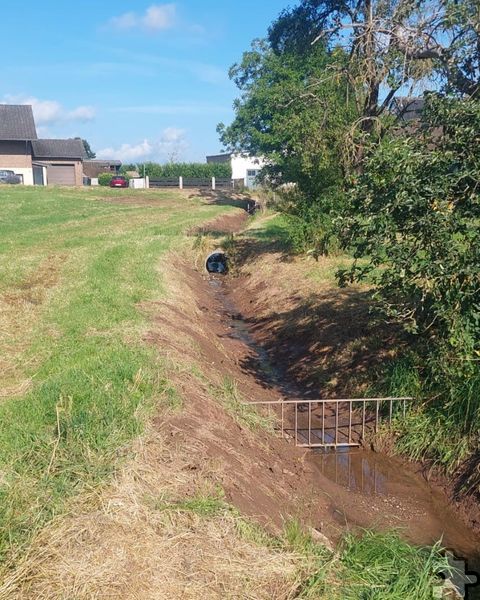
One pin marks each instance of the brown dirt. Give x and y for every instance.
(269, 479)
(223, 225)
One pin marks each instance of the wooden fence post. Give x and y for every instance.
(213, 183)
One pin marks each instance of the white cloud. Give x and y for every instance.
(50, 112)
(158, 17)
(169, 146)
(172, 135)
(81, 113)
(126, 21)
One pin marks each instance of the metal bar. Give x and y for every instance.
(391, 411)
(296, 425)
(350, 409)
(309, 424)
(377, 408)
(336, 424)
(363, 421)
(323, 423)
(404, 408)
(331, 445)
(330, 400)
(283, 430)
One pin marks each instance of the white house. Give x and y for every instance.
(244, 168)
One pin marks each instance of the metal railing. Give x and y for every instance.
(338, 422)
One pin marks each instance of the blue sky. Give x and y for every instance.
(139, 80)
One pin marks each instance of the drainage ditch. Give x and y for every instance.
(381, 483)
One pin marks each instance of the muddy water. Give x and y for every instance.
(386, 492)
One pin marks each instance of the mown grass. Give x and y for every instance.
(94, 379)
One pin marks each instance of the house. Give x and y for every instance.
(37, 161)
(408, 109)
(245, 169)
(17, 131)
(61, 161)
(93, 167)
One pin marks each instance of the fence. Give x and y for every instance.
(211, 183)
(334, 423)
(164, 182)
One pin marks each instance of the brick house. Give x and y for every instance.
(17, 131)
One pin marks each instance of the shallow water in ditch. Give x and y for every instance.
(387, 493)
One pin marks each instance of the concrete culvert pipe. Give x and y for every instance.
(217, 262)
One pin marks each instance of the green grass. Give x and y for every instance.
(246, 416)
(383, 566)
(73, 270)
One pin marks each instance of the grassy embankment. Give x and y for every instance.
(79, 382)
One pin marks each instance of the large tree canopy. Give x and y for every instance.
(291, 109)
(391, 43)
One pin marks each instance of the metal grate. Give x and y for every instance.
(335, 423)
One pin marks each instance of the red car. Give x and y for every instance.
(119, 181)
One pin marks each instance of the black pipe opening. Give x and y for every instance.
(217, 262)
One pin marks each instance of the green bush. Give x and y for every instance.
(105, 179)
(414, 219)
(310, 223)
(155, 170)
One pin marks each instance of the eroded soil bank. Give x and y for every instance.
(288, 340)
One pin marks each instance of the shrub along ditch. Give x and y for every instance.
(413, 218)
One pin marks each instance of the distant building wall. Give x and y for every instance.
(94, 167)
(17, 157)
(241, 165)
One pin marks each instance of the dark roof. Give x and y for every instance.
(409, 109)
(101, 161)
(71, 148)
(219, 158)
(16, 122)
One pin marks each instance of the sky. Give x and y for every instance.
(138, 80)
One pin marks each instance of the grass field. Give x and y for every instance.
(76, 379)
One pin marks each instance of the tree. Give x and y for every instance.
(88, 150)
(293, 110)
(414, 217)
(393, 47)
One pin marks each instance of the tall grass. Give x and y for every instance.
(443, 423)
(368, 565)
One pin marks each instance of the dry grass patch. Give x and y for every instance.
(21, 309)
(149, 536)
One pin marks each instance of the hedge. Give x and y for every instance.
(155, 170)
